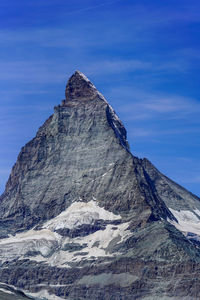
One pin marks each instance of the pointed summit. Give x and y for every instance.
(79, 87)
(77, 199)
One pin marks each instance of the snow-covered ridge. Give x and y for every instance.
(188, 222)
(6, 291)
(80, 213)
(47, 245)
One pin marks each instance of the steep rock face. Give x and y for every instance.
(183, 205)
(81, 152)
(79, 88)
(82, 218)
(174, 195)
(7, 293)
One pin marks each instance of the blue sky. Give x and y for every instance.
(143, 55)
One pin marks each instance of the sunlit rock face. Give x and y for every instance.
(82, 218)
(80, 152)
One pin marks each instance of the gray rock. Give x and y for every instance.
(80, 152)
(174, 195)
(85, 219)
(9, 293)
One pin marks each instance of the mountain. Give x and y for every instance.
(9, 293)
(82, 218)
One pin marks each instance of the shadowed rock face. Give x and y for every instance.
(7, 293)
(82, 218)
(79, 88)
(80, 152)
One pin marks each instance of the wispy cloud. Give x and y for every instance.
(192, 177)
(69, 38)
(165, 15)
(47, 71)
(31, 71)
(139, 105)
(42, 71)
(145, 132)
(92, 7)
(5, 171)
(117, 66)
(141, 132)
(151, 115)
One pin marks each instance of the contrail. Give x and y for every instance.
(92, 7)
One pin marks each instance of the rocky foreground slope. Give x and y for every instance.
(82, 218)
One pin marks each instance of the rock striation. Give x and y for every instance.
(82, 218)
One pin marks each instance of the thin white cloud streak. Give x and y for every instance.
(116, 66)
(55, 37)
(80, 37)
(150, 15)
(32, 71)
(85, 8)
(20, 111)
(48, 71)
(191, 178)
(46, 37)
(139, 105)
(8, 94)
(4, 171)
(161, 16)
(142, 132)
(92, 7)
(194, 180)
(148, 114)
(139, 18)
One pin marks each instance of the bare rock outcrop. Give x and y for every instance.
(82, 218)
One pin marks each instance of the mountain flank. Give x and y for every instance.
(83, 218)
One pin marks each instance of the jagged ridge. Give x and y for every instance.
(88, 219)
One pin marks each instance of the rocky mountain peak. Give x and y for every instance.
(79, 87)
(83, 218)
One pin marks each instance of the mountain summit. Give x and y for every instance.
(82, 218)
(79, 87)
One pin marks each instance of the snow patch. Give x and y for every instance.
(187, 221)
(43, 295)
(6, 291)
(48, 246)
(95, 245)
(80, 213)
(197, 212)
(31, 235)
